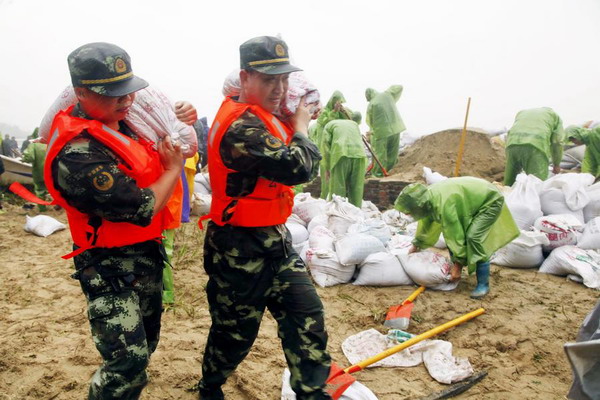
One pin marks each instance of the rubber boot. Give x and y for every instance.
(483, 280)
(210, 393)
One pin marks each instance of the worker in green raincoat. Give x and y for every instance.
(333, 110)
(344, 158)
(386, 126)
(591, 139)
(535, 138)
(471, 214)
(35, 154)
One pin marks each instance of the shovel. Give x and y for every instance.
(340, 379)
(398, 316)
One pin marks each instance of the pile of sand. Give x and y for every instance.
(482, 157)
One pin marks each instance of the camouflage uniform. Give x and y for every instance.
(122, 285)
(251, 269)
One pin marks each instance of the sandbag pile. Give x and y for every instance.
(202, 196)
(559, 218)
(341, 243)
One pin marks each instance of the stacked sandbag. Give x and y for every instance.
(370, 210)
(353, 248)
(566, 194)
(297, 228)
(590, 238)
(325, 268)
(579, 264)
(200, 204)
(382, 269)
(561, 230)
(307, 207)
(524, 200)
(592, 209)
(374, 227)
(342, 214)
(429, 269)
(526, 251)
(202, 183)
(399, 245)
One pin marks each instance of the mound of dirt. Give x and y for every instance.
(482, 157)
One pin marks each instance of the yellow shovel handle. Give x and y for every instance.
(426, 335)
(414, 295)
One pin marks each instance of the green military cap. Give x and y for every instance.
(266, 54)
(104, 68)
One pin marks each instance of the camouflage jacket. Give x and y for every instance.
(247, 147)
(82, 172)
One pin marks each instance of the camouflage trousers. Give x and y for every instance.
(124, 314)
(239, 290)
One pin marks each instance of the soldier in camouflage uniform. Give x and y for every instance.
(253, 268)
(123, 284)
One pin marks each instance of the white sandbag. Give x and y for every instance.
(370, 210)
(200, 204)
(202, 179)
(353, 248)
(325, 268)
(432, 177)
(523, 252)
(319, 220)
(399, 245)
(561, 230)
(592, 209)
(441, 243)
(568, 260)
(298, 247)
(321, 238)
(356, 391)
(342, 214)
(396, 219)
(298, 232)
(524, 200)
(151, 116)
(374, 227)
(429, 269)
(590, 239)
(574, 197)
(382, 269)
(42, 225)
(411, 229)
(296, 219)
(307, 207)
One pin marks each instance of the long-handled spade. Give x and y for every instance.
(340, 379)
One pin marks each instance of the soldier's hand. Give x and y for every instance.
(186, 112)
(170, 154)
(301, 117)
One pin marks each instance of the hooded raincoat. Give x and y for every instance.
(470, 212)
(535, 138)
(327, 115)
(591, 139)
(385, 123)
(345, 159)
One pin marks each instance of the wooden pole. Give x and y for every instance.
(463, 137)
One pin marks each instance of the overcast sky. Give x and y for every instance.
(506, 54)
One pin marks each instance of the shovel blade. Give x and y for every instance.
(338, 381)
(398, 317)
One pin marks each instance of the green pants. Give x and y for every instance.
(168, 294)
(238, 292)
(348, 179)
(124, 314)
(524, 158)
(386, 149)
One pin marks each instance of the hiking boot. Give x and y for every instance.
(210, 393)
(483, 280)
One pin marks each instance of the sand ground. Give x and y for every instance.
(46, 351)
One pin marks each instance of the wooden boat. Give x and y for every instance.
(15, 171)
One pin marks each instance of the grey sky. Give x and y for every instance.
(506, 54)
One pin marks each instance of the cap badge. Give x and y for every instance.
(279, 50)
(120, 66)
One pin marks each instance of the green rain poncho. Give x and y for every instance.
(470, 212)
(384, 121)
(345, 159)
(327, 115)
(537, 128)
(35, 154)
(591, 139)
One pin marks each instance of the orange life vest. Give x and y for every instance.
(140, 161)
(270, 203)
